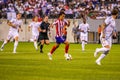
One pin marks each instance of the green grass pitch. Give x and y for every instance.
(29, 64)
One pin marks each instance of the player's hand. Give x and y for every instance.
(21, 30)
(29, 30)
(82, 30)
(103, 36)
(68, 23)
(43, 30)
(14, 26)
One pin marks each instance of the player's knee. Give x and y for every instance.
(67, 43)
(47, 43)
(56, 46)
(106, 52)
(16, 38)
(42, 42)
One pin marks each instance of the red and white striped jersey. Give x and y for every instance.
(59, 26)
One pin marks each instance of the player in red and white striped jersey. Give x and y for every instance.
(61, 33)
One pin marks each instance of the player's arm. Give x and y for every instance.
(79, 29)
(104, 25)
(114, 32)
(49, 33)
(67, 23)
(41, 30)
(20, 29)
(29, 28)
(102, 29)
(88, 29)
(51, 26)
(11, 24)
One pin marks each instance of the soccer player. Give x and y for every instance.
(43, 37)
(60, 37)
(35, 30)
(84, 28)
(108, 29)
(15, 27)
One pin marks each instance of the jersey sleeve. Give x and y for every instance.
(66, 22)
(30, 24)
(21, 23)
(79, 26)
(42, 25)
(12, 20)
(107, 21)
(55, 22)
(88, 26)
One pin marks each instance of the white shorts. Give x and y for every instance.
(35, 37)
(84, 38)
(12, 34)
(106, 42)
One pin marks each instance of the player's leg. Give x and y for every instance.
(67, 56)
(52, 50)
(104, 43)
(98, 61)
(41, 46)
(105, 50)
(47, 42)
(6, 41)
(66, 47)
(82, 43)
(15, 44)
(35, 42)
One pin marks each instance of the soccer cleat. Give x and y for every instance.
(36, 49)
(98, 62)
(96, 52)
(83, 50)
(1, 49)
(50, 56)
(66, 55)
(41, 51)
(14, 52)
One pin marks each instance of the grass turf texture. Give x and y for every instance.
(29, 64)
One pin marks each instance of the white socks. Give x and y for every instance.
(102, 49)
(15, 46)
(101, 57)
(83, 45)
(35, 45)
(5, 42)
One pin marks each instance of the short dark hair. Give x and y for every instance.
(61, 13)
(114, 12)
(45, 16)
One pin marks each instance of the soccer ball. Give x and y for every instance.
(69, 57)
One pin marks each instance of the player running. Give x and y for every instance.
(107, 31)
(35, 30)
(15, 27)
(84, 29)
(60, 37)
(43, 35)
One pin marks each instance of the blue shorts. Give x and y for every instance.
(60, 39)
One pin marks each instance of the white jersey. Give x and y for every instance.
(35, 26)
(17, 23)
(110, 27)
(85, 28)
(13, 32)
